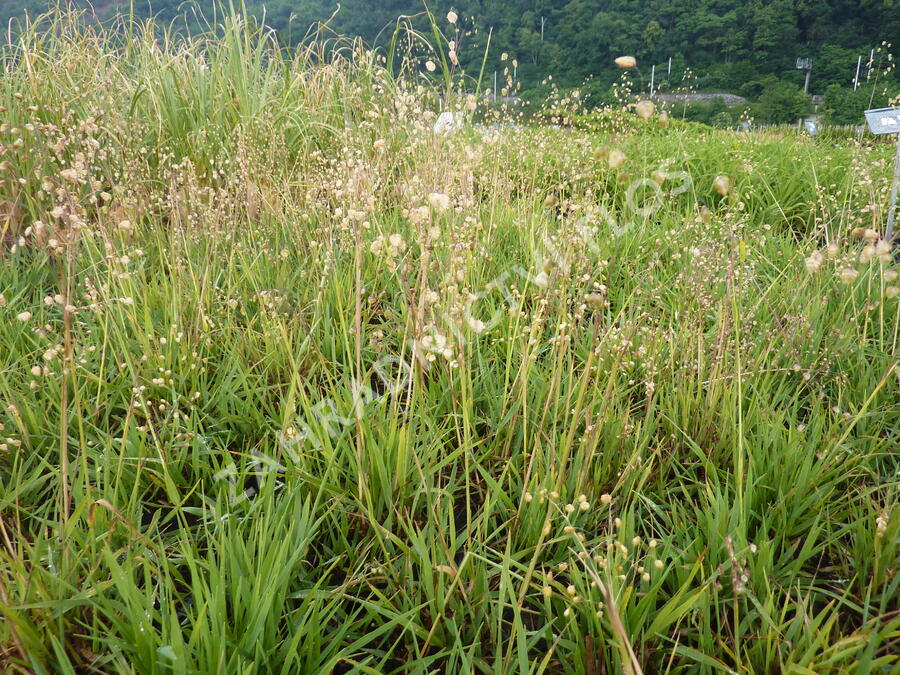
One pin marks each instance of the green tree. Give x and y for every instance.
(783, 102)
(776, 33)
(843, 105)
(652, 37)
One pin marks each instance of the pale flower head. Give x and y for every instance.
(451, 16)
(419, 215)
(616, 159)
(430, 66)
(439, 201)
(626, 62)
(69, 175)
(814, 262)
(396, 242)
(722, 185)
(663, 119)
(644, 109)
(848, 275)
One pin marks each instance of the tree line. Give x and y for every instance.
(746, 48)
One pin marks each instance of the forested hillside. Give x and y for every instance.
(748, 48)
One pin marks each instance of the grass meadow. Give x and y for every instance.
(292, 383)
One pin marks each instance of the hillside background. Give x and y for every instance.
(745, 48)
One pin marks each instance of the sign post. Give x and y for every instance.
(887, 121)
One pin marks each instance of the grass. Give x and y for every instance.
(291, 383)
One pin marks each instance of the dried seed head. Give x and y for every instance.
(439, 201)
(814, 262)
(663, 119)
(644, 109)
(848, 275)
(722, 185)
(616, 159)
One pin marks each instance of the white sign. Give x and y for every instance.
(884, 120)
(887, 121)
